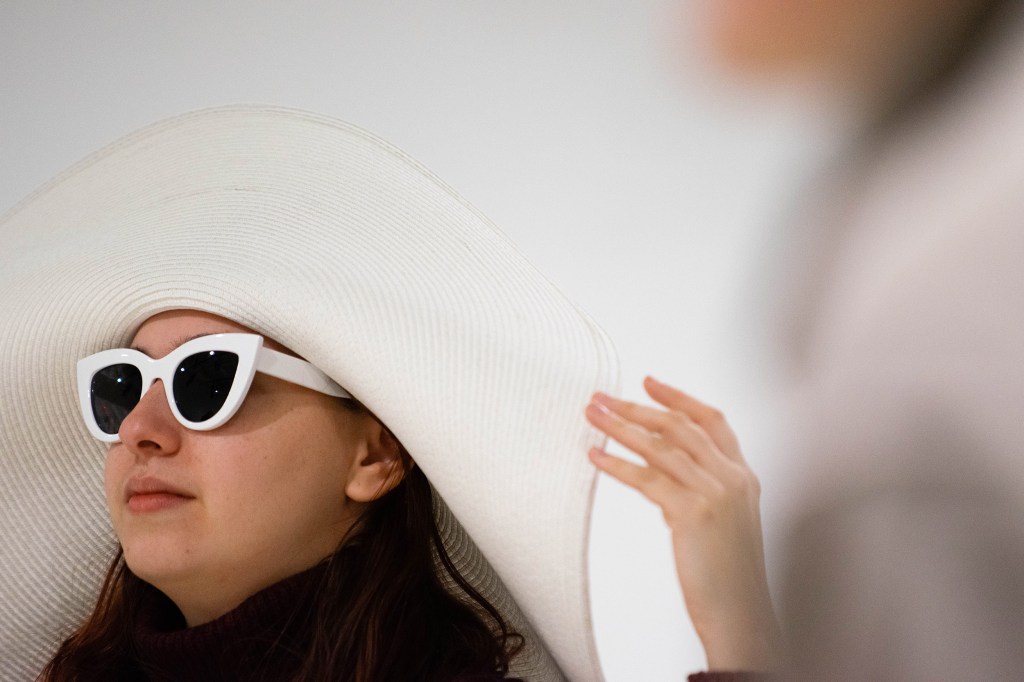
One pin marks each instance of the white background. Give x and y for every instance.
(592, 131)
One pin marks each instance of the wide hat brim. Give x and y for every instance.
(341, 247)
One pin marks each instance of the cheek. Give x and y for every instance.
(272, 483)
(279, 471)
(115, 470)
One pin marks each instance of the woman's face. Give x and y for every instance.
(265, 496)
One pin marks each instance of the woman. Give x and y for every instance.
(284, 534)
(218, 494)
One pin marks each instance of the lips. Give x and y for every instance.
(149, 493)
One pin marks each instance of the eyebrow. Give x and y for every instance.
(181, 340)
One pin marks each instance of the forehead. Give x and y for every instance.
(165, 331)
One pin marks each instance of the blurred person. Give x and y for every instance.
(902, 338)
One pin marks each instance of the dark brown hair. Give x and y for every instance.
(381, 612)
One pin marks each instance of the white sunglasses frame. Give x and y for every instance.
(252, 358)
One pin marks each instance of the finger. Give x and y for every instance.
(651, 418)
(708, 418)
(673, 426)
(651, 483)
(659, 453)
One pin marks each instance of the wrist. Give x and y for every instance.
(750, 644)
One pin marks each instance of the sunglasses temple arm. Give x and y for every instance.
(298, 372)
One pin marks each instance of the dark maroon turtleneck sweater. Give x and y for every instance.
(260, 640)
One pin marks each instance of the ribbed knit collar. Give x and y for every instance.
(261, 639)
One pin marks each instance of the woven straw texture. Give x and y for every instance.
(339, 246)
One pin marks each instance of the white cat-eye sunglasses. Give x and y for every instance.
(206, 380)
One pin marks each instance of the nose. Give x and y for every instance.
(150, 429)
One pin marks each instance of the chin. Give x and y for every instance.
(159, 560)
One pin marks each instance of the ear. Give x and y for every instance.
(377, 467)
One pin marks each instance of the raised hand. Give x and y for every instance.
(710, 499)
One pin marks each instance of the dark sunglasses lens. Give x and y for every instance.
(115, 392)
(202, 383)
